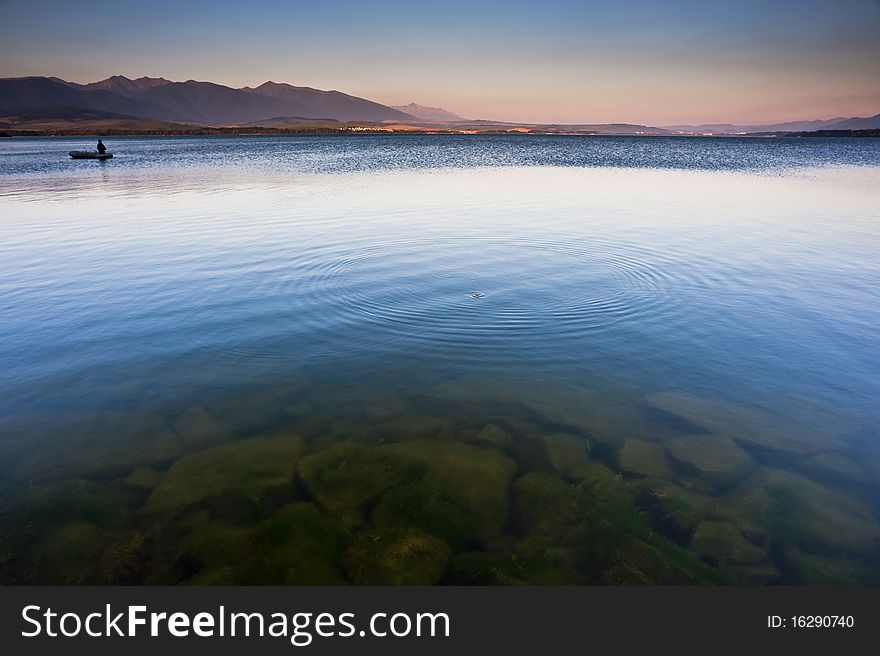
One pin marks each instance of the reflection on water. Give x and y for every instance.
(431, 360)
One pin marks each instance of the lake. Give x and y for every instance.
(479, 360)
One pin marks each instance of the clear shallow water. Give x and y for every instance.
(323, 344)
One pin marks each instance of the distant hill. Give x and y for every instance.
(62, 112)
(838, 123)
(870, 123)
(428, 113)
(282, 122)
(203, 103)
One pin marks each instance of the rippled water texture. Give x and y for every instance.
(493, 360)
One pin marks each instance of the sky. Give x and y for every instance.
(552, 61)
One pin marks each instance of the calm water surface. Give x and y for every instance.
(480, 360)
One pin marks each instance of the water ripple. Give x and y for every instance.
(421, 292)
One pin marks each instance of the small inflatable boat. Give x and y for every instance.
(89, 154)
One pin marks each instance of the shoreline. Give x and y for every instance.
(261, 132)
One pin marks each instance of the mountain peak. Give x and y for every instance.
(428, 113)
(125, 86)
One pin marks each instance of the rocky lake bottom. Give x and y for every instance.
(432, 360)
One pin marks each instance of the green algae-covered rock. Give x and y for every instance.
(144, 478)
(530, 453)
(492, 435)
(794, 510)
(396, 557)
(299, 545)
(640, 562)
(532, 561)
(673, 510)
(80, 553)
(812, 569)
(423, 506)
(620, 535)
(762, 573)
(482, 568)
(721, 542)
(246, 470)
(213, 577)
(211, 545)
(718, 460)
(195, 546)
(345, 477)
(644, 458)
(544, 504)
(589, 532)
(476, 477)
(567, 453)
(67, 532)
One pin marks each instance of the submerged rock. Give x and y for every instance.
(492, 435)
(812, 569)
(246, 471)
(207, 547)
(532, 561)
(69, 532)
(396, 557)
(253, 412)
(80, 553)
(744, 423)
(639, 562)
(473, 476)
(345, 477)
(567, 453)
(531, 454)
(544, 504)
(144, 477)
(583, 411)
(762, 573)
(831, 464)
(793, 510)
(644, 458)
(416, 426)
(108, 442)
(718, 460)
(299, 545)
(423, 506)
(721, 542)
(673, 510)
(198, 428)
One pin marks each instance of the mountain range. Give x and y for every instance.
(201, 103)
(839, 123)
(121, 103)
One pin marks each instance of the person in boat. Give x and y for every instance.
(101, 147)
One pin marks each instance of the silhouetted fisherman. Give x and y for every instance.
(101, 147)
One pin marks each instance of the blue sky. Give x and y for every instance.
(553, 60)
